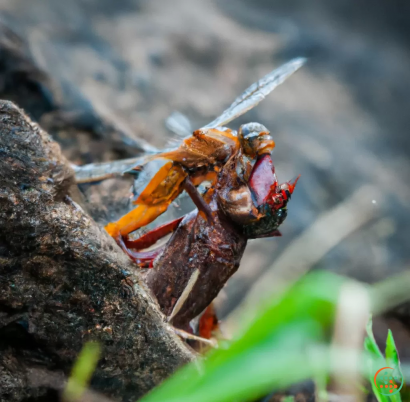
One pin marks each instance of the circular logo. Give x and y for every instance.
(388, 381)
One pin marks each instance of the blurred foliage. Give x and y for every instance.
(288, 341)
(377, 361)
(82, 371)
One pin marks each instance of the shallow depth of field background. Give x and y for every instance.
(342, 122)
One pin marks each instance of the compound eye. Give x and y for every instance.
(255, 139)
(250, 130)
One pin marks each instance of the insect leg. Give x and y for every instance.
(140, 216)
(150, 238)
(199, 202)
(186, 335)
(145, 259)
(274, 233)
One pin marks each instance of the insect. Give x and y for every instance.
(244, 201)
(199, 157)
(199, 258)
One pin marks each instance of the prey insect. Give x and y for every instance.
(200, 157)
(244, 201)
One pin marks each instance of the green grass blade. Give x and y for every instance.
(370, 343)
(285, 343)
(392, 357)
(82, 371)
(392, 360)
(376, 360)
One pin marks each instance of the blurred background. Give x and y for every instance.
(120, 68)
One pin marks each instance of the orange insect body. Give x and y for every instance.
(245, 201)
(165, 186)
(202, 156)
(198, 157)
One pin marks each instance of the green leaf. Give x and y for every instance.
(392, 360)
(376, 361)
(392, 357)
(287, 342)
(82, 371)
(370, 342)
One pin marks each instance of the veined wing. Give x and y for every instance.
(180, 125)
(95, 172)
(257, 92)
(248, 100)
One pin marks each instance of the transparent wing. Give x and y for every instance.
(248, 100)
(257, 92)
(179, 124)
(95, 172)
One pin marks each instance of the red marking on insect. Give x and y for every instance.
(244, 202)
